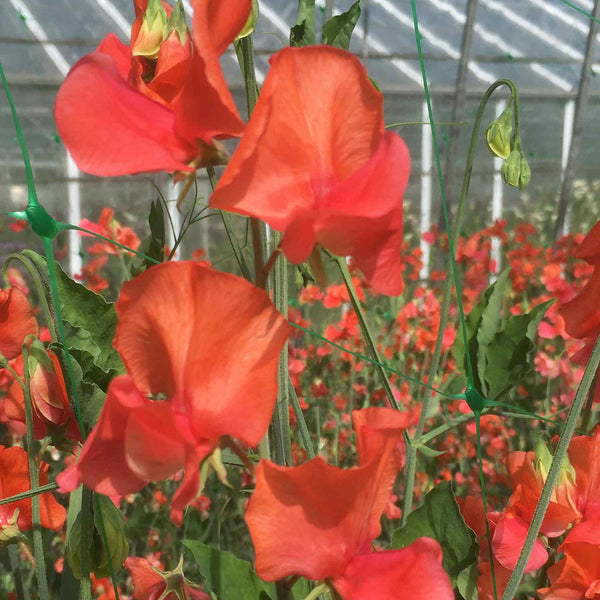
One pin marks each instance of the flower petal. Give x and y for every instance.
(414, 572)
(110, 128)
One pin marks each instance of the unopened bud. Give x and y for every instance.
(525, 175)
(497, 135)
(177, 23)
(511, 168)
(248, 28)
(9, 533)
(150, 34)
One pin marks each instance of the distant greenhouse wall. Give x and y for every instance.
(540, 44)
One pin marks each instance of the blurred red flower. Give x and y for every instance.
(14, 479)
(316, 163)
(16, 322)
(125, 109)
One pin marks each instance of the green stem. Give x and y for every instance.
(377, 363)
(13, 555)
(87, 525)
(239, 256)
(34, 478)
(106, 545)
(366, 332)
(281, 416)
(554, 471)
(587, 411)
(453, 234)
(488, 533)
(30, 493)
(74, 396)
(40, 286)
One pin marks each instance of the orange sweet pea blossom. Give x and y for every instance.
(17, 321)
(160, 103)
(577, 576)
(202, 351)
(318, 521)
(316, 163)
(52, 413)
(528, 475)
(150, 583)
(14, 479)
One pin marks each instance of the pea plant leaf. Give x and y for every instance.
(439, 518)
(338, 30)
(500, 350)
(304, 32)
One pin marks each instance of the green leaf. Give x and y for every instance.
(304, 32)
(481, 325)
(439, 518)
(87, 311)
(229, 577)
(509, 353)
(466, 582)
(91, 395)
(154, 244)
(338, 30)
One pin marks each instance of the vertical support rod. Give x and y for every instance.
(568, 121)
(458, 108)
(497, 201)
(426, 164)
(74, 217)
(580, 108)
(365, 44)
(329, 9)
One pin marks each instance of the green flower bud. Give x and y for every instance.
(497, 135)
(114, 526)
(511, 168)
(248, 28)
(150, 34)
(10, 534)
(525, 174)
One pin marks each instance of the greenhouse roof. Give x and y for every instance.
(538, 43)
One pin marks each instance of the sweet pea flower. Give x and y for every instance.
(14, 479)
(318, 521)
(202, 351)
(150, 583)
(17, 321)
(52, 413)
(577, 576)
(316, 163)
(159, 104)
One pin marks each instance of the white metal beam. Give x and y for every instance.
(426, 164)
(73, 191)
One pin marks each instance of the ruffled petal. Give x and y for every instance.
(414, 572)
(110, 128)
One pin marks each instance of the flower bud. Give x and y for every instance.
(525, 175)
(511, 168)
(149, 35)
(248, 28)
(497, 135)
(10, 533)
(177, 23)
(114, 527)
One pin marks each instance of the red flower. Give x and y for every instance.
(150, 583)
(202, 350)
(109, 227)
(316, 163)
(16, 322)
(318, 521)
(577, 576)
(126, 110)
(50, 403)
(14, 479)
